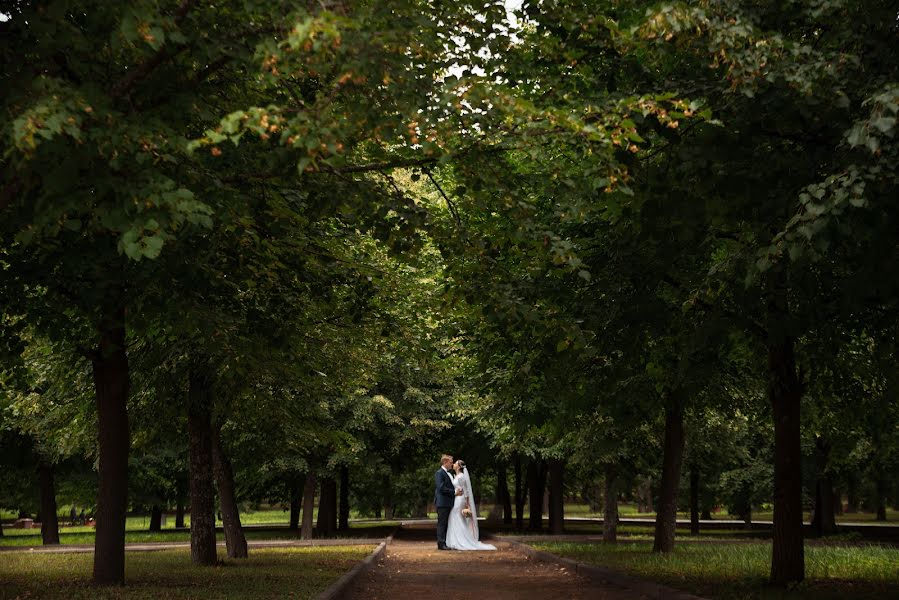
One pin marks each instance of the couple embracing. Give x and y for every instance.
(457, 515)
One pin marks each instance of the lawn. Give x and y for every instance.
(629, 511)
(267, 574)
(740, 571)
(136, 534)
(635, 532)
(267, 516)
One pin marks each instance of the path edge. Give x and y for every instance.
(337, 589)
(653, 590)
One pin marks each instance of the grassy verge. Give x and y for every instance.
(740, 571)
(85, 535)
(635, 532)
(267, 574)
(629, 511)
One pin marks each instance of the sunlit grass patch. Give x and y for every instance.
(740, 570)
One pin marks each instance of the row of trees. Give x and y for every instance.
(726, 238)
(310, 235)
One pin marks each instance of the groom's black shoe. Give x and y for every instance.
(442, 547)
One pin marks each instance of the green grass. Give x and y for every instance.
(740, 571)
(267, 516)
(267, 574)
(85, 535)
(629, 511)
(632, 532)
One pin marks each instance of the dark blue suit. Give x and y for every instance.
(444, 498)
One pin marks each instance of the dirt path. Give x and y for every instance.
(413, 568)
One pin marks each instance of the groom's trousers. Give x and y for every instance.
(442, 523)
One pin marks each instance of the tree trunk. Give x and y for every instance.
(537, 483)
(235, 541)
(49, 519)
(343, 523)
(694, 500)
(296, 495)
(202, 491)
(387, 493)
(785, 391)
(111, 381)
(706, 514)
(610, 510)
(672, 457)
(881, 487)
(332, 506)
(502, 493)
(326, 509)
(520, 494)
(156, 518)
(556, 497)
(838, 501)
(823, 520)
(179, 511)
(308, 505)
(852, 500)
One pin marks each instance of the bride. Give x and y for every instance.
(462, 532)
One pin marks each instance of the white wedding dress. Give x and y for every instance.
(462, 532)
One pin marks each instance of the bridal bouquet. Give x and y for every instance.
(466, 512)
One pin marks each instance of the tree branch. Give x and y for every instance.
(751, 325)
(381, 166)
(449, 202)
(126, 84)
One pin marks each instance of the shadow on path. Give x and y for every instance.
(413, 568)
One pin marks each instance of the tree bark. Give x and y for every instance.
(179, 511)
(672, 458)
(202, 491)
(332, 508)
(343, 523)
(325, 524)
(235, 540)
(520, 494)
(502, 493)
(785, 392)
(537, 484)
(111, 382)
(823, 519)
(556, 496)
(308, 505)
(706, 514)
(156, 518)
(694, 500)
(610, 510)
(296, 495)
(880, 486)
(852, 500)
(49, 519)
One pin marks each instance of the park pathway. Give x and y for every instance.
(413, 568)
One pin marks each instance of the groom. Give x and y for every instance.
(444, 496)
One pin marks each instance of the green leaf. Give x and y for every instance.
(153, 246)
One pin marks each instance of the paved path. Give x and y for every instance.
(413, 568)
